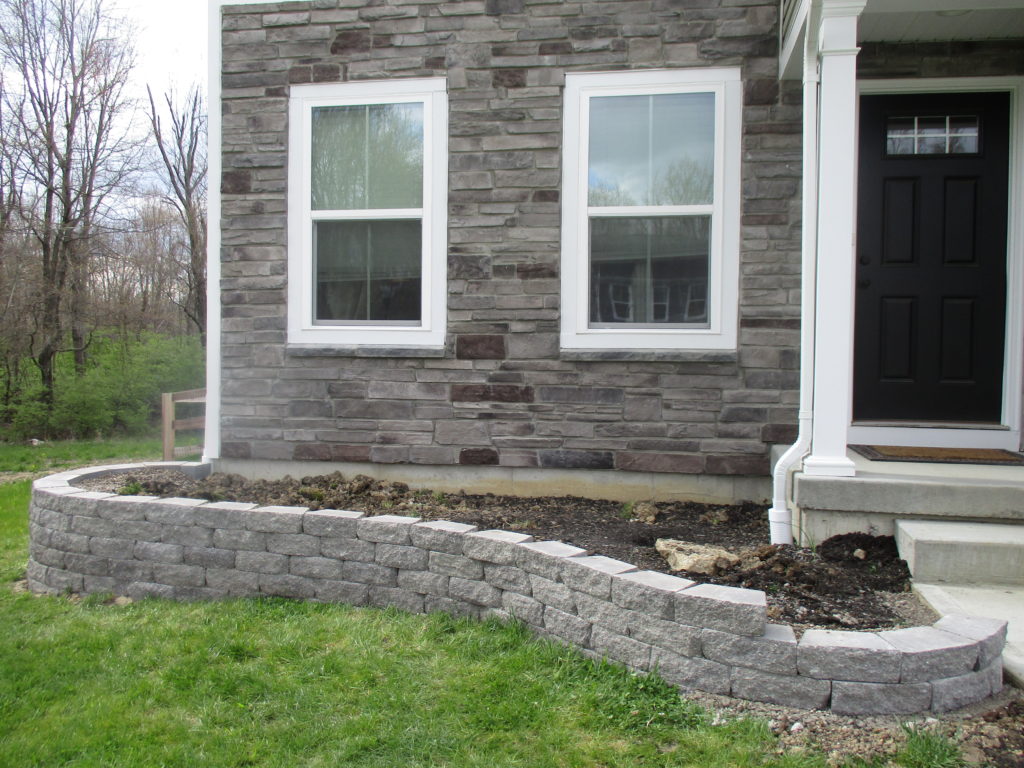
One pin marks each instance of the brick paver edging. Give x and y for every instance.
(701, 636)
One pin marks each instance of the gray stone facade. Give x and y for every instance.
(503, 393)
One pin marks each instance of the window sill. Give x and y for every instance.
(651, 355)
(363, 350)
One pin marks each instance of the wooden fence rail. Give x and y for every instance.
(168, 403)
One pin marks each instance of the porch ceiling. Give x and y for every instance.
(904, 21)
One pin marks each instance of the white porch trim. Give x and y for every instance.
(837, 185)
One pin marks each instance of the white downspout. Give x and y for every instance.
(211, 441)
(780, 516)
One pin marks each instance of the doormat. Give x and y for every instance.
(940, 455)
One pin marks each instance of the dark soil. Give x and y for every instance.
(853, 581)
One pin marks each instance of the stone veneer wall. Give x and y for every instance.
(702, 636)
(503, 393)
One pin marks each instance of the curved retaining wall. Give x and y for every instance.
(702, 636)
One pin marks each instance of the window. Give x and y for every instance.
(366, 213)
(939, 135)
(650, 220)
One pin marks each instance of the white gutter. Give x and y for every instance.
(211, 442)
(780, 516)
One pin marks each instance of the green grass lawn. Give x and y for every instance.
(61, 454)
(279, 683)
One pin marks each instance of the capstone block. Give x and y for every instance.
(593, 574)
(387, 529)
(861, 657)
(335, 523)
(498, 547)
(930, 653)
(544, 557)
(729, 609)
(276, 519)
(990, 634)
(775, 651)
(223, 514)
(649, 592)
(440, 535)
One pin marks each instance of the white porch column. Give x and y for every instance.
(837, 195)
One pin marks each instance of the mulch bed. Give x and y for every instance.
(853, 581)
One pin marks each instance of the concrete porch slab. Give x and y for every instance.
(995, 601)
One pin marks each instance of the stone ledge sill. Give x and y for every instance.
(316, 350)
(702, 636)
(650, 355)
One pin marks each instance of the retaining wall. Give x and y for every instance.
(702, 636)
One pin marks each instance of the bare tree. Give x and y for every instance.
(66, 64)
(183, 152)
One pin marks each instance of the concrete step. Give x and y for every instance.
(962, 552)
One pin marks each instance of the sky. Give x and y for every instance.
(170, 43)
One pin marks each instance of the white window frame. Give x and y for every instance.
(302, 328)
(723, 268)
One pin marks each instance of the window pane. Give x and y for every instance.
(367, 156)
(649, 270)
(652, 150)
(367, 270)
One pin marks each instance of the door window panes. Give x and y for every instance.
(932, 135)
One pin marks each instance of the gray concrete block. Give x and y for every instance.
(498, 547)
(728, 609)
(691, 672)
(476, 592)
(955, 692)
(784, 690)
(234, 582)
(348, 592)
(677, 638)
(188, 535)
(124, 507)
(70, 542)
(237, 538)
(455, 565)
(775, 651)
(109, 529)
(336, 523)
(179, 574)
(315, 567)
(223, 514)
(94, 585)
(81, 503)
(368, 573)
(455, 608)
(524, 608)
(543, 557)
(990, 634)
(603, 613)
(348, 549)
(649, 592)
(624, 650)
(880, 698)
(440, 535)
(86, 565)
(49, 556)
(508, 577)
(287, 585)
(158, 553)
(387, 529)
(173, 511)
(261, 562)
(54, 521)
(293, 544)
(930, 653)
(209, 557)
(141, 590)
(553, 593)
(424, 582)
(65, 581)
(861, 657)
(593, 574)
(566, 626)
(994, 672)
(276, 519)
(400, 556)
(131, 570)
(406, 600)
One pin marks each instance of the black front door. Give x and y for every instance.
(931, 258)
